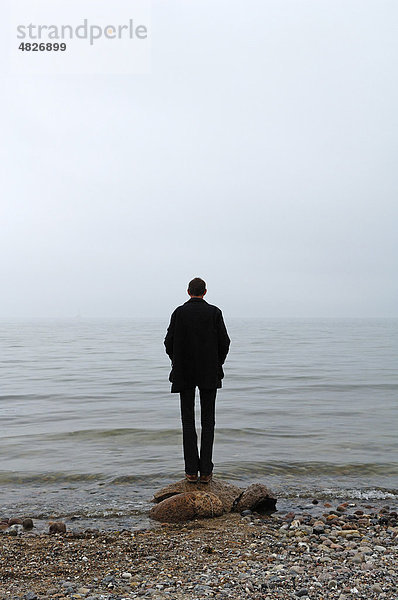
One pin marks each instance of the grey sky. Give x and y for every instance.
(259, 154)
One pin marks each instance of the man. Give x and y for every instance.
(197, 343)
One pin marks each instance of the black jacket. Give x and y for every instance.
(197, 343)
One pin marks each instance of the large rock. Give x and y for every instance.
(226, 492)
(186, 506)
(257, 498)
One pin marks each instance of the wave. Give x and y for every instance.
(362, 494)
(317, 472)
(145, 435)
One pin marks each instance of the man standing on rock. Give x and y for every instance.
(197, 343)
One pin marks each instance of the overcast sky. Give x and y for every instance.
(259, 154)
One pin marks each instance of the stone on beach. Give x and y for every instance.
(226, 492)
(27, 523)
(57, 527)
(258, 498)
(175, 502)
(186, 506)
(231, 557)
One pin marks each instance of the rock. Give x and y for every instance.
(15, 529)
(365, 550)
(184, 507)
(295, 524)
(325, 559)
(348, 532)
(30, 595)
(297, 569)
(349, 526)
(289, 516)
(57, 527)
(226, 492)
(208, 505)
(357, 558)
(257, 498)
(126, 575)
(318, 527)
(302, 592)
(376, 588)
(27, 524)
(15, 521)
(336, 546)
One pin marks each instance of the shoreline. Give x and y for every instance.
(331, 552)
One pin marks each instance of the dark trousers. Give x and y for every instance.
(193, 461)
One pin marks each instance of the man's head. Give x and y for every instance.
(197, 288)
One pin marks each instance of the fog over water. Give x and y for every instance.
(260, 154)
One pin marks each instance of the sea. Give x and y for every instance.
(89, 428)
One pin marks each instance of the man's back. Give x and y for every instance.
(197, 344)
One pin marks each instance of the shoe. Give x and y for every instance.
(206, 478)
(191, 478)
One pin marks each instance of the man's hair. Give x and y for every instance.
(197, 287)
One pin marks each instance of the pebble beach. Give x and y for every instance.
(325, 551)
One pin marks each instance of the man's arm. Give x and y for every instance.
(168, 340)
(223, 339)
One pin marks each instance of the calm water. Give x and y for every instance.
(89, 427)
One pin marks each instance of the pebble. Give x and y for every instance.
(57, 527)
(365, 549)
(280, 558)
(357, 558)
(319, 528)
(325, 559)
(297, 569)
(15, 529)
(27, 524)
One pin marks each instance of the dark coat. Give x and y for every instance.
(197, 343)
